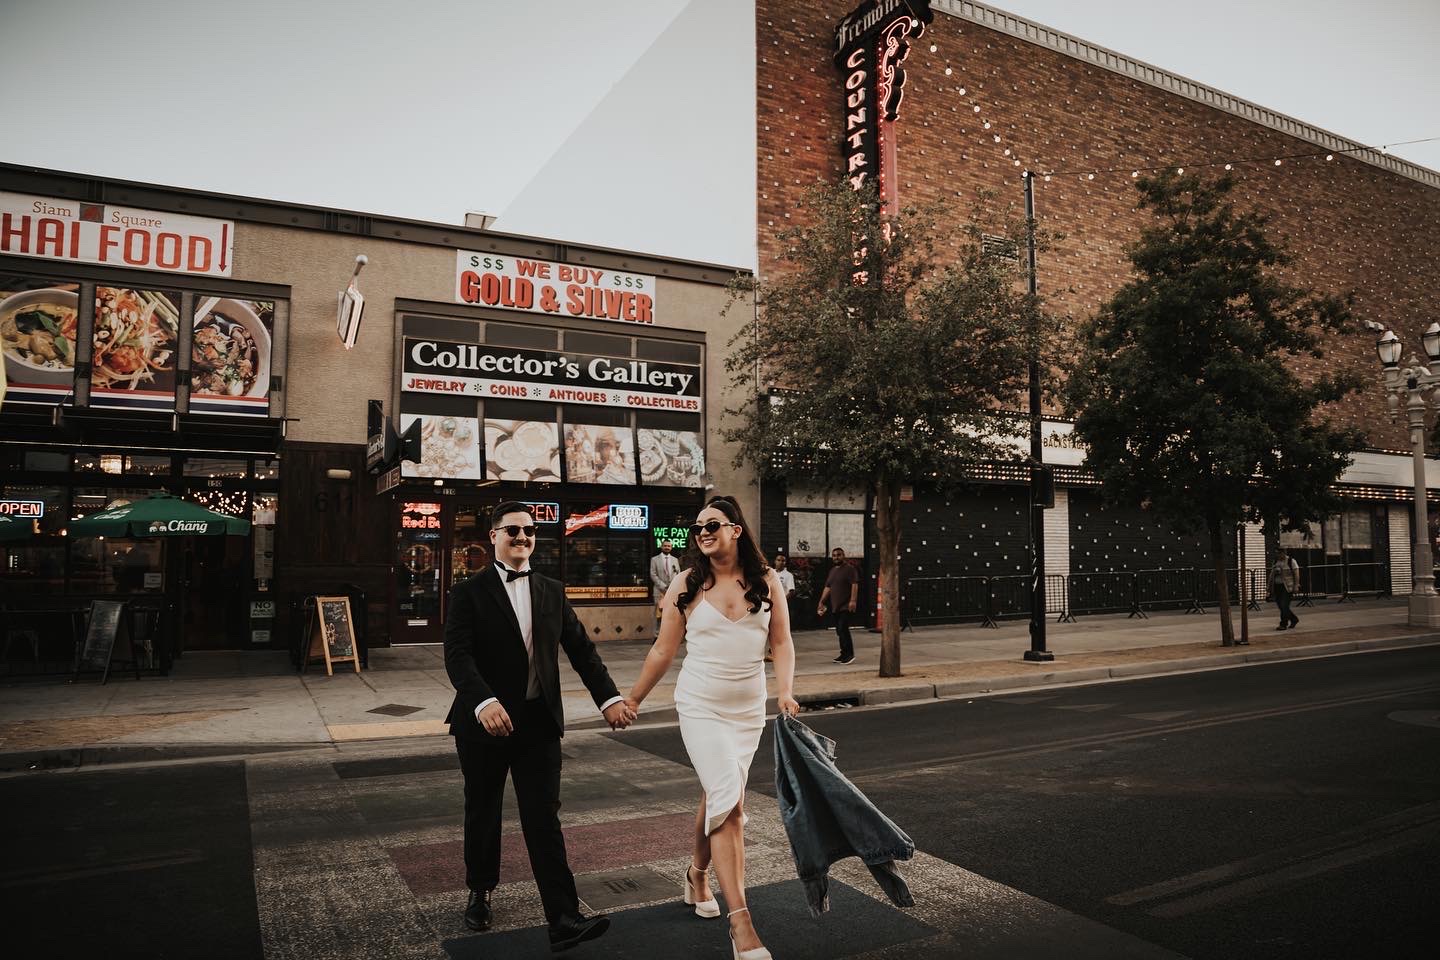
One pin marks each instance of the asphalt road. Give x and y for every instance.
(1280, 811)
(1290, 810)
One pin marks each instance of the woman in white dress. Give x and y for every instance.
(726, 605)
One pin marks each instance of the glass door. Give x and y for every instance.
(419, 562)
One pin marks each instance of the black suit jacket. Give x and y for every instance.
(485, 654)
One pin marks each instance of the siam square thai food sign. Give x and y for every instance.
(871, 43)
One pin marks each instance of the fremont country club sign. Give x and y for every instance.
(54, 229)
(559, 289)
(470, 369)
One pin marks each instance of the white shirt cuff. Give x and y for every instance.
(483, 705)
(610, 703)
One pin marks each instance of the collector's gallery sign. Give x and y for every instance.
(871, 43)
(51, 228)
(560, 289)
(475, 369)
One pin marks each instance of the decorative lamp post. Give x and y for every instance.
(1412, 382)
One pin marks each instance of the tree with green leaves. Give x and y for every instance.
(1184, 388)
(878, 359)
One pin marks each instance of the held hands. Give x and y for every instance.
(495, 720)
(619, 715)
(788, 706)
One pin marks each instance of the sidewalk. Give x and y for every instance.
(243, 702)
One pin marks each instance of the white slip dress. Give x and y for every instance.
(720, 699)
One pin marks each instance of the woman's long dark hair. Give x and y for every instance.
(753, 567)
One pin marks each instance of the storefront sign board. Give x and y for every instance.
(559, 289)
(53, 228)
(471, 369)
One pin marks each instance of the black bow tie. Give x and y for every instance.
(515, 574)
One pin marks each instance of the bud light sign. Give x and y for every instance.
(628, 516)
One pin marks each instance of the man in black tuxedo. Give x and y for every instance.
(502, 639)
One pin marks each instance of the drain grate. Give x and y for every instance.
(395, 710)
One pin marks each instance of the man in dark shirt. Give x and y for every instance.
(842, 590)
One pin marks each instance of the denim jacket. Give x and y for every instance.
(828, 819)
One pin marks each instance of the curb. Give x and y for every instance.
(1129, 671)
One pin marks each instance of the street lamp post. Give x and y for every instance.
(1411, 382)
(1038, 651)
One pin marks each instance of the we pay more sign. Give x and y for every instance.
(562, 289)
(51, 228)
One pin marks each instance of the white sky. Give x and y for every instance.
(626, 123)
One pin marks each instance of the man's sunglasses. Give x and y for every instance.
(711, 526)
(514, 530)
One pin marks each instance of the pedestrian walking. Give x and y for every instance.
(726, 606)
(787, 584)
(1284, 582)
(663, 567)
(841, 593)
(502, 644)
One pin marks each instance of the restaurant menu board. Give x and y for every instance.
(134, 355)
(230, 356)
(671, 458)
(38, 325)
(449, 447)
(522, 450)
(332, 633)
(597, 454)
(100, 634)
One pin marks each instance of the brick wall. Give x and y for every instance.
(1351, 226)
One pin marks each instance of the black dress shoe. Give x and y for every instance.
(569, 933)
(478, 915)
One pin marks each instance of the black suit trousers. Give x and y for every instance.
(531, 758)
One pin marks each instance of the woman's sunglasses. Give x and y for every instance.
(513, 530)
(710, 526)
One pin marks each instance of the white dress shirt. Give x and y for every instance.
(518, 591)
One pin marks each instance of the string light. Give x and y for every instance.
(948, 71)
(1276, 161)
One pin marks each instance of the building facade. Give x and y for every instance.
(193, 347)
(951, 101)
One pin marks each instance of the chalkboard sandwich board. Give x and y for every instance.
(331, 634)
(107, 618)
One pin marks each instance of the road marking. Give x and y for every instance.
(1267, 871)
(1160, 717)
(940, 764)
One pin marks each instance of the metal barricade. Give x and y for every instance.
(946, 599)
(1108, 592)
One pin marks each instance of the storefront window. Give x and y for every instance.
(46, 460)
(34, 567)
(96, 462)
(232, 503)
(603, 563)
(215, 468)
(107, 564)
(267, 469)
(147, 466)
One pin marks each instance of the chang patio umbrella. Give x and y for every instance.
(12, 528)
(157, 516)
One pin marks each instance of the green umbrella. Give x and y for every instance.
(15, 529)
(157, 516)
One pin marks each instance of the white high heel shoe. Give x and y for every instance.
(759, 953)
(708, 909)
